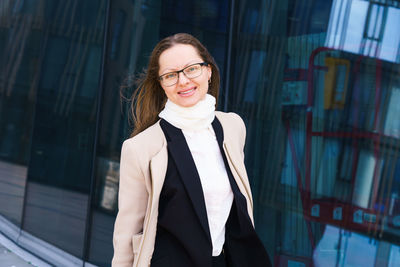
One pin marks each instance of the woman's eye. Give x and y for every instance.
(169, 76)
(191, 69)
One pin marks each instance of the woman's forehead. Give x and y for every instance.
(177, 57)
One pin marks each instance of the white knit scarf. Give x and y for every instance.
(196, 117)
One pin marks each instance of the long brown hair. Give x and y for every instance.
(149, 98)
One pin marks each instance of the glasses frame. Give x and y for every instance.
(183, 71)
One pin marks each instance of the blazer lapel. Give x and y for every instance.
(158, 168)
(180, 153)
(236, 164)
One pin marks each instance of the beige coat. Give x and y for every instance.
(143, 167)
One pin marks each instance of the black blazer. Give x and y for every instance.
(183, 237)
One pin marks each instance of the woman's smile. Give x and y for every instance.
(187, 92)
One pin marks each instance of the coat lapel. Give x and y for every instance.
(236, 164)
(226, 148)
(158, 168)
(184, 162)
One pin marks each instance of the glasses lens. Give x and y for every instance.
(169, 79)
(193, 71)
(190, 72)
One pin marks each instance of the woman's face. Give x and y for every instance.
(186, 92)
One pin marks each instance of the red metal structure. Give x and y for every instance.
(370, 218)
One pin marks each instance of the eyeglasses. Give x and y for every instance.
(191, 71)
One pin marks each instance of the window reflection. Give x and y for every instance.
(49, 79)
(365, 27)
(12, 190)
(322, 146)
(109, 177)
(18, 86)
(392, 120)
(339, 247)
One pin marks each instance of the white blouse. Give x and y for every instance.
(195, 123)
(214, 179)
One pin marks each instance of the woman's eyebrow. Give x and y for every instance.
(168, 70)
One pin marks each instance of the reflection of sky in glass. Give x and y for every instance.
(347, 23)
(392, 121)
(375, 21)
(353, 33)
(346, 252)
(329, 252)
(394, 257)
(391, 36)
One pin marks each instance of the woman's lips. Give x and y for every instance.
(188, 92)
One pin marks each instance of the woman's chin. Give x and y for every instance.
(186, 101)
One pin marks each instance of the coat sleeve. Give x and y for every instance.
(132, 203)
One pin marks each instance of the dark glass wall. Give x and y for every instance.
(51, 61)
(18, 88)
(317, 83)
(64, 123)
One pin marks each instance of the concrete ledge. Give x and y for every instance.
(34, 250)
(18, 256)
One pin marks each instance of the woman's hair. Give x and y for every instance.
(149, 98)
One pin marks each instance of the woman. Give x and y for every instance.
(184, 195)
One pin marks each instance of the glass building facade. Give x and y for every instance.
(317, 83)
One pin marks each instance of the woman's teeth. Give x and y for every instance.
(186, 92)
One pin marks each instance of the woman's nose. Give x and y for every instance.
(182, 79)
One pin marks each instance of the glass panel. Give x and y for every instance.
(51, 55)
(136, 27)
(19, 54)
(323, 141)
